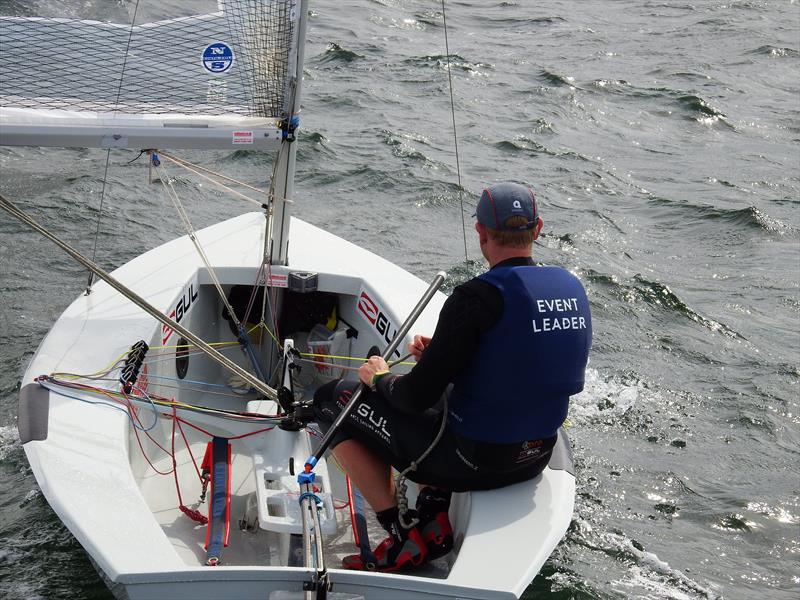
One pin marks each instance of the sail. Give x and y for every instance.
(216, 80)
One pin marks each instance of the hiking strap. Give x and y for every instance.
(217, 460)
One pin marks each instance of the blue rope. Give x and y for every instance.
(305, 495)
(176, 379)
(108, 404)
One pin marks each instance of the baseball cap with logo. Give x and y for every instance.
(502, 201)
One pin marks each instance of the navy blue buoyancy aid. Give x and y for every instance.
(518, 384)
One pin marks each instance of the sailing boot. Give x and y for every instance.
(402, 550)
(434, 522)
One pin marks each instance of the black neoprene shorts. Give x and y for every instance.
(398, 438)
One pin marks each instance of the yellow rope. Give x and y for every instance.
(355, 358)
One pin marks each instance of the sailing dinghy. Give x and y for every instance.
(165, 415)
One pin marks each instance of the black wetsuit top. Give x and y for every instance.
(471, 310)
(395, 423)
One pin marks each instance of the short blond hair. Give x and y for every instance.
(514, 238)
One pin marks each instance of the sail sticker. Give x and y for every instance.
(280, 280)
(373, 313)
(186, 300)
(242, 137)
(218, 57)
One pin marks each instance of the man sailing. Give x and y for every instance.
(509, 349)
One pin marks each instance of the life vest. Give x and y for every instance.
(518, 384)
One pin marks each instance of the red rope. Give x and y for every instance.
(209, 434)
(175, 462)
(244, 435)
(189, 448)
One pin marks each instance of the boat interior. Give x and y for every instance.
(332, 328)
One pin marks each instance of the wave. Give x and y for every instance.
(603, 399)
(695, 107)
(658, 295)
(9, 443)
(254, 156)
(775, 51)
(644, 571)
(461, 273)
(446, 194)
(439, 61)
(312, 144)
(336, 53)
(525, 144)
(699, 105)
(402, 146)
(617, 86)
(526, 20)
(747, 217)
(556, 78)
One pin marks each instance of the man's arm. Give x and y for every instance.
(471, 310)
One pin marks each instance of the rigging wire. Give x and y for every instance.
(455, 132)
(169, 188)
(196, 170)
(90, 280)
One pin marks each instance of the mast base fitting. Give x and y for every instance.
(302, 415)
(302, 282)
(321, 585)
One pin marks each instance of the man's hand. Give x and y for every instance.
(417, 347)
(374, 365)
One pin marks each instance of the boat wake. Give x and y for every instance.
(645, 574)
(9, 444)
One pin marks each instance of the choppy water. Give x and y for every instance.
(662, 139)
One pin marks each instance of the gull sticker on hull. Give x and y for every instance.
(377, 318)
(186, 301)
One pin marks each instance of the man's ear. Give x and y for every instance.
(483, 237)
(538, 228)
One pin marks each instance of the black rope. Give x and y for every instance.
(455, 133)
(90, 280)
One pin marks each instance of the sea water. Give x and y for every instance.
(661, 138)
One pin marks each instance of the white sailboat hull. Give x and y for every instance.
(91, 470)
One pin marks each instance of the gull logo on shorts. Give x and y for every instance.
(530, 450)
(372, 421)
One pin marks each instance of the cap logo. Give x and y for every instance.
(517, 204)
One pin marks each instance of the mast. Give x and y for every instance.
(277, 239)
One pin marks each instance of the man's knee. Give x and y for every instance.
(330, 399)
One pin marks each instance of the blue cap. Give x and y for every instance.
(502, 201)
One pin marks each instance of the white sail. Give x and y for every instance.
(217, 80)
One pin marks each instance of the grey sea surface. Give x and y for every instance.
(661, 137)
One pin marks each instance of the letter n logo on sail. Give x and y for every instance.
(368, 308)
